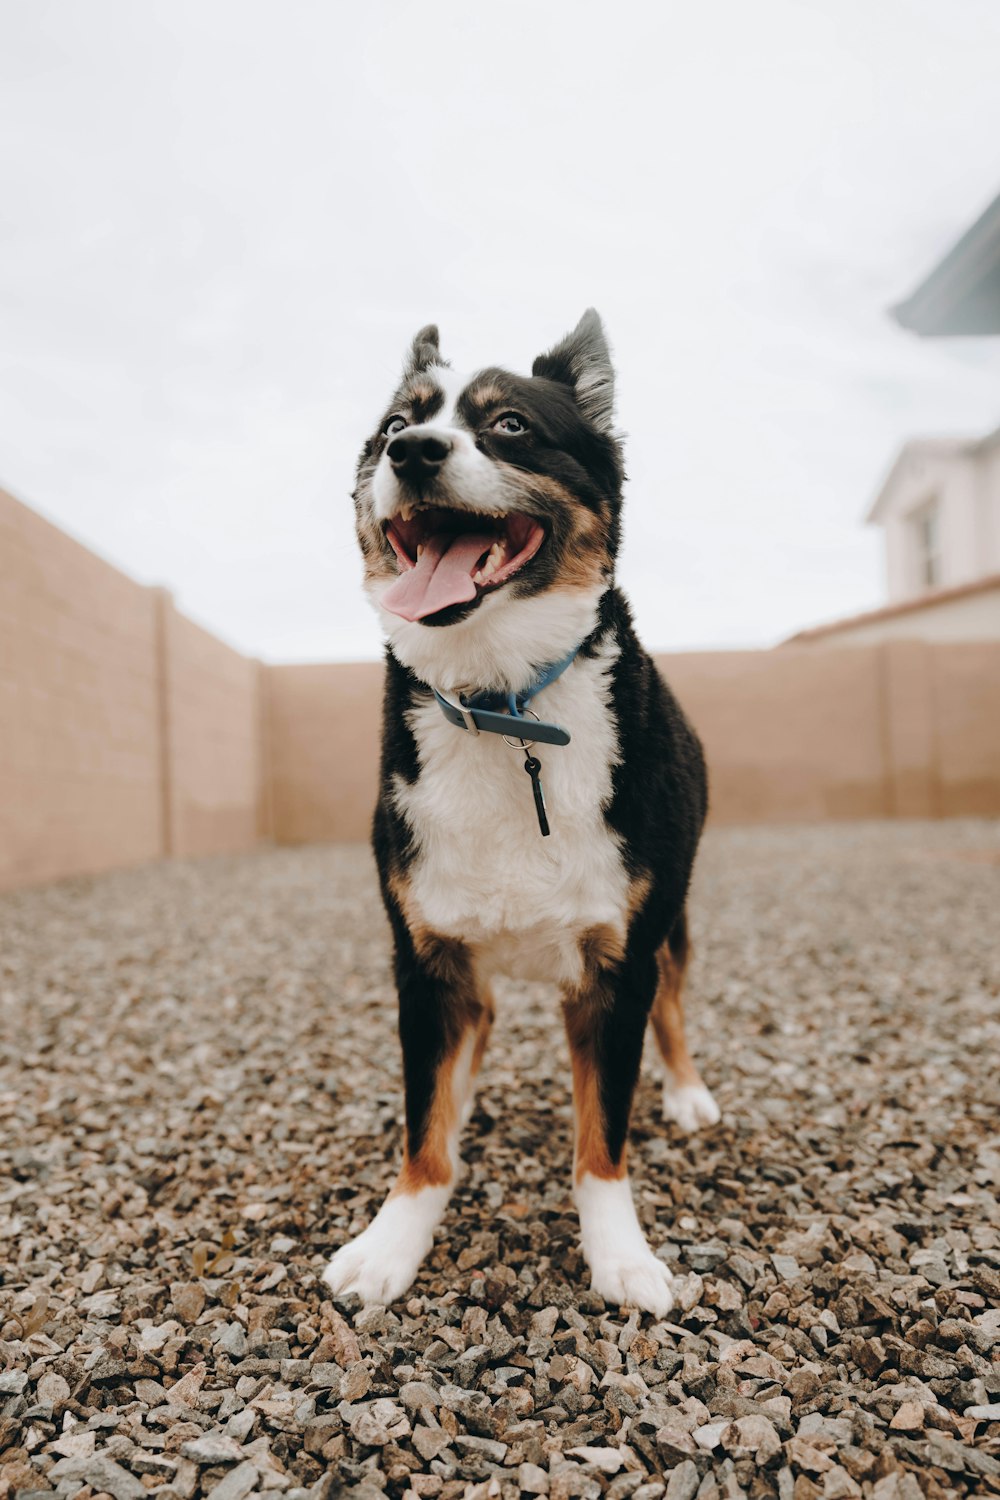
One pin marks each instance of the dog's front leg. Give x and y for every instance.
(442, 1027)
(606, 1018)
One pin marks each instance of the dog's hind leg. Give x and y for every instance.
(483, 1028)
(605, 1023)
(443, 1032)
(686, 1100)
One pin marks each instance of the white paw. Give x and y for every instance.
(623, 1269)
(370, 1268)
(642, 1282)
(381, 1262)
(691, 1107)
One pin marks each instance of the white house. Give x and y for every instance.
(939, 510)
(939, 507)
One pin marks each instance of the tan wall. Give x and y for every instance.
(964, 688)
(79, 735)
(323, 744)
(785, 742)
(796, 734)
(126, 732)
(213, 738)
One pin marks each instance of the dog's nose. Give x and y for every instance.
(417, 454)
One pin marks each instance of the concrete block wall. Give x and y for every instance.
(126, 731)
(213, 739)
(789, 737)
(323, 742)
(798, 734)
(80, 752)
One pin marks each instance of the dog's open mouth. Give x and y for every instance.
(451, 558)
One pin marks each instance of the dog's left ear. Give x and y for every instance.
(424, 351)
(583, 360)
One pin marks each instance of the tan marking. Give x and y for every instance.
(638, 890)
(586, 552)
(585, 563)
(483, 1033)
(432, 1166)
(601, 947)
(469, 1019)
(449, 960)
(590, 1149)
(589, 1145)
(379, 559)
(488, 393)
(667, 1018)
(400, 891)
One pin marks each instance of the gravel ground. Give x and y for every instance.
(200, 1096)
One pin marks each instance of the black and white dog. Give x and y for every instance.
(489, 514)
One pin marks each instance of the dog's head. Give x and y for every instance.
(488, 508)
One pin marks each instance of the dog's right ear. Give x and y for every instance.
(424, 351)
(582, 360)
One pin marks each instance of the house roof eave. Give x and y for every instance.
(889, 611)
(961, 295)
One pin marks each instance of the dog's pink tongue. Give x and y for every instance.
(442, 576)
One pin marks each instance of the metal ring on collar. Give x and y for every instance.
(521, 744)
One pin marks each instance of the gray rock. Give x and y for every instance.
(52, 1389)
(232, 1340)
(416, 1395)
(683, 1481)
(487, 1447)
(379, 1422)
(326, 1376)
(241, 1423)
(108, 1370)
(212, 1448)
(196, 940)
(237, 1484)
(101, 1473)
(430, 1441)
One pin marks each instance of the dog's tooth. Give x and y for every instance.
(420, 548)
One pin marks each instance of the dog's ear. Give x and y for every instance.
(582, 360)
(424, 351)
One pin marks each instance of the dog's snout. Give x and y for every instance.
(415, 452)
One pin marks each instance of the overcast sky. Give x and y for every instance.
(220, 224)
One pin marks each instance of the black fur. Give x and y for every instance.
(658, 808)
(558, 449)
(569, 469)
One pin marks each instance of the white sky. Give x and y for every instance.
(220, 224)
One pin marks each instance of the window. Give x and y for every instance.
(925, 526)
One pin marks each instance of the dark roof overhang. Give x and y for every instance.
(962, 293)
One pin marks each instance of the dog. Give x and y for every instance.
(488, 513)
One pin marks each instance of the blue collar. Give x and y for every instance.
(490, 712)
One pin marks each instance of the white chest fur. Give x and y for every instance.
(482, 870)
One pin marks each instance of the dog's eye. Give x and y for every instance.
(510, 422)
(394, 424)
